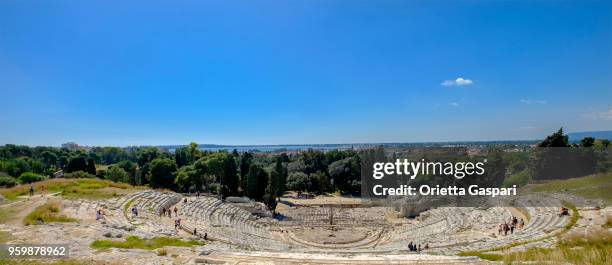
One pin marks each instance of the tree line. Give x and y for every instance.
(261, 176)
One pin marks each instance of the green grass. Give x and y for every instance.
(46, 213)
(485, 256)
(149, 244)
(595, 248)
(591, 187)
(86, 188)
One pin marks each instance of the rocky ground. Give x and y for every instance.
(118, 225)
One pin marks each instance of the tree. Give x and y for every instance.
(230, 175)
(257, 180)
(62, 162)
(131, 169)
(587, 142)
(345, 173)
(558, 163)
(557, 139)
(181, 157)
(49, 158)
(269, 199)
(162, 173)
(16, 167)
(29, 177)
(279, 177)
(188, 178)
(116, 174)
(296, 166)
(91, 166)
(245, 164)
(194, 152)
(320, 182)
(7, 181)
(298, 181)
(77, 164)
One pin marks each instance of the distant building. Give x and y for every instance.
(72, 146)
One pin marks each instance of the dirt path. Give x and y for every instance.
(25, 206)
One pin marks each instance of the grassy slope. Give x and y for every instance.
(590, 187)
(72, 188)
(47, 213)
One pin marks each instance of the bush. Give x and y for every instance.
(78, 175)
(7, 181)
(29, 177)
(116, 174)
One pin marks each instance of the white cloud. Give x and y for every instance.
(601, 115)
(534, 101)
(457, 82)
(454, 104)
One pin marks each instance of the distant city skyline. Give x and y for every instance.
(100, 73)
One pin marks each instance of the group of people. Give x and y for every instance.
(417, 248)
(31, 190)
(195, 233)
(168, 211)
(510, 226)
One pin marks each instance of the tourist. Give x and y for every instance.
(205, 236)
(521, 224)
(426, 246)
(195, 231)
(501, 228)
(175, 224)
(419, 248)
(512, 229)
(410, 246)
(31, 190)
(185, 200)
(506, 229)
(564, 212)
(175, 212)
(99, 215)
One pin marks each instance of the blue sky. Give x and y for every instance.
(289, 72)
